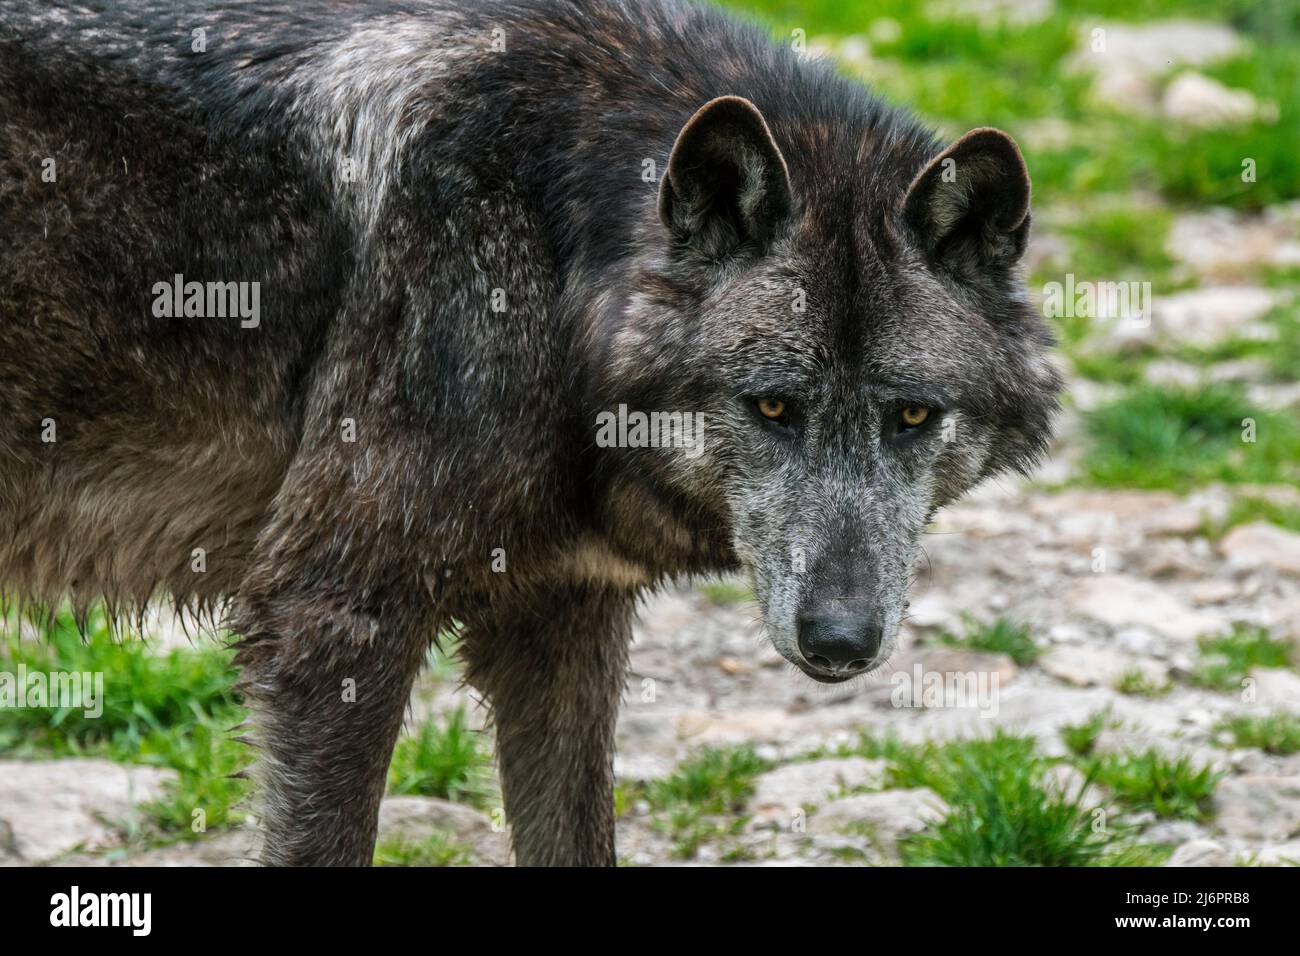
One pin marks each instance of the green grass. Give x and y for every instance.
(1002, 810)
(1171, 787)
(704, 799)
(1160, 437)
(962, 74)
(1136, 684)
(445, 759)
(1225, 660)
(1126, 369)
(1249, 509)
(171, 710)
(1277, 733)
(437, 849)
(1081, 739)
(1002, 637)
(716, 780)
(726, 593)
(1119, 242)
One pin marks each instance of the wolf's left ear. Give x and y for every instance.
(970, 206)
(726, 183)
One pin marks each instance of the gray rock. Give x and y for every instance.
(1209, 315)
(1259, 807)
(1276, 688)
(1176, 832)
(1280, 854)
(218, 848)
(1201, 853)
(1196, 100)
(1126, 58)
(414, 819)
(1261, 544)
(884, 816)
(1121, 601)
(780, 792)
(1100, 666)
(53, 807)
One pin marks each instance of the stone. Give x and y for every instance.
(239, 847)
(1092, 666)
(1260, 544)
(1167, 371)
(884, 816)
(56, 806)
(1125, 601)
(949, 659)
(1151, 47)
(1140, 641)
(1126, 58)
(1280, 854)
(1197, 100)
(801, 786)
(414, 819)
(1208, 315)
(1212, 591)
(1258, 807)
(1283, 618)
(933, 612)
(1092, 514)
(1200, 853)
(1276, 688)
(1173, 832)
(1282, 397)
(1239, 370)
(640, 767)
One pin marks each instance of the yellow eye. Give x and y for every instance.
(771, 407)
(914, 415)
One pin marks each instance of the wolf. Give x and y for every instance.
(474, 231)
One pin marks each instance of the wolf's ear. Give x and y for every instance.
(726, 183)
(970, 206)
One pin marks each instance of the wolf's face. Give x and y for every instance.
(861, 355)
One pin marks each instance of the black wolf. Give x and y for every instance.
(315, 312)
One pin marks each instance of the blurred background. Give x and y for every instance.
(1099, 667)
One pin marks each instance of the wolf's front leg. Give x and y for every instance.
(328, 685)
(553, 672)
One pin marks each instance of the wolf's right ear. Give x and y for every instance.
(969, 207)
(726, 183)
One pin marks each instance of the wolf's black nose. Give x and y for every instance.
(840, 643)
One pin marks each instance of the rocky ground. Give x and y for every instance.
(702, 676)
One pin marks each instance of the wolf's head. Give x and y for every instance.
(847, 316)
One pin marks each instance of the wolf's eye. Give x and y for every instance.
(772, 408)
(914, 415)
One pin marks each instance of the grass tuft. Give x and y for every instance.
(1277, 733)
(1226, 660)
(1171, 787)
(445, 759)
(1000, 637)
(171, 709)
(1159, 437)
